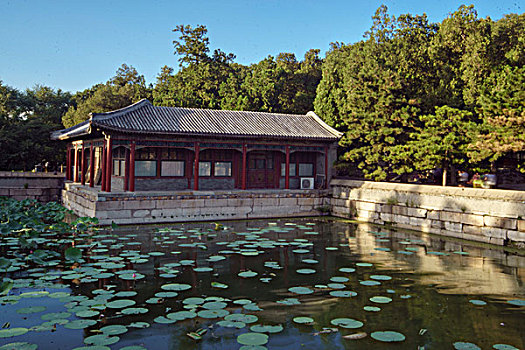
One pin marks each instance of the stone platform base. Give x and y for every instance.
(163, 207)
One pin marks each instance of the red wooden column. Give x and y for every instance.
(77, 179)
(68, 163)
(109, 163)
(196, 170)
(287, 169)
(132, 167)
(243, 181)
(82, 165)
(126, 171)
(326, 167)
(91, 165)
(103, 165)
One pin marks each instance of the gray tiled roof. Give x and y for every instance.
(142, 117)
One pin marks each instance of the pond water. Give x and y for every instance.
(279, 284)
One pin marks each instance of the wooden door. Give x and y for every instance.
(261, 170)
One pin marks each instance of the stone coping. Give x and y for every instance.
(31, 174)
(508, 195)
(96, 192)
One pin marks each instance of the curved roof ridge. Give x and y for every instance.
(105, 115)
(324, 125)
(233, 111)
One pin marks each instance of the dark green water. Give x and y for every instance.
(427, 284)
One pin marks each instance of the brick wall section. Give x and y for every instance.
(490, 216)
(44, 187)
(162, 207)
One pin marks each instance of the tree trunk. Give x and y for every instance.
(445, 171)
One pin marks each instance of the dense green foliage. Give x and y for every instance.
(415, 95)
(411, 96)
(26, 121)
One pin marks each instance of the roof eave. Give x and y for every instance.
(237, 136)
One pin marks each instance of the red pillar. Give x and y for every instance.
(77, 179)
(326, 167)
(126, 172)
(109, 163)
(68, 163)
(196, 170)
(132, 167)
(103, 165)
(287, 169)
(244, 166)
(91, 165)
(83, 165)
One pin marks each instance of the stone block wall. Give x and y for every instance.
(44, 187)
(490, 216)
(163, 207)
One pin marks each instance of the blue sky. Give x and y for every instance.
(73, 44)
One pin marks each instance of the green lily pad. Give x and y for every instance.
(241, 318)
(80, 324)
(101, 339)
(231, 324)
(212, 313)
(139, 325)
(258, 328)
(369, 283)
(219, 285)
(496, 346)
(12, 332)
(134, 311)
(459, 345)
(300, 290)
(247, 274)
(87, 313)
(289, 301)
(388, 336)
(517, 302)
(372, 308)
(306, 271)
(73, 254)
(202, 269)
(303, 320)
(126, 294)
(120, 304)
(252, 338)
(131, 276)
(163, 320)
(193, 301)
(347, 269)
(181, 315)
(214, 305)
(175, 287)
(339, 279)
(19, 346)
(166, 294)
(114, 329)
(362, 264)
(381, 277)
(380, 299)
(477, 302)
(31, 310)
(346, 323)
(343, 293)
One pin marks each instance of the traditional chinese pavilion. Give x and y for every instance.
(147, 148)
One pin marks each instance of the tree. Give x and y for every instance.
(125, 88)
(441, 141)
(503, 111)
(26, 121)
